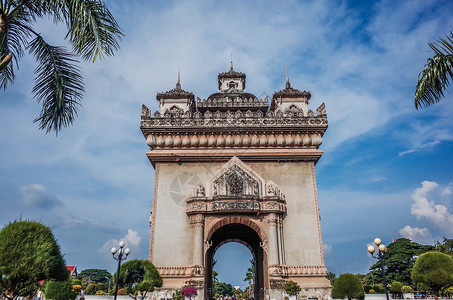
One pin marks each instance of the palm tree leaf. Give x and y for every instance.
(433, 80)
(59, 85)
(93, 31)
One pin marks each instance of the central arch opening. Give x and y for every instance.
(233, 263)
(245, 235)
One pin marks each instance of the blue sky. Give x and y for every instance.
(386, 170)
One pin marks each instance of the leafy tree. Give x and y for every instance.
(100, 287)
(379, 288)
(91, 289)
(93, 33)
(76, 281)
(60, 290)
(214, 276)
(137, 270)
(446, 246)
(435, 269)
(347, 285)
(422, 287)
(449, 291)
(399, 261)
(139, 277)
(223, 288)
(395, 288)
(143, 287)
(434, 79)
(331, 276)
(250, 277)
(95, 276)
(292, 288)
(29, 253)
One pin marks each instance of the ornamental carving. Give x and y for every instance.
(294, 271)
(236, 188)
(235, 183)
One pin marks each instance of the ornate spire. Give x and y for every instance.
(231, 63)
(178, 83)
(288, 85)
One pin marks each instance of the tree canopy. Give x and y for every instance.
(399, 261)
(347, 285)
(437, 73)
(60, 290)
(92, 32)
(446, 246)
(95, 275)
(222, 288)
(29, 254)
(435, 269)
(139, 276)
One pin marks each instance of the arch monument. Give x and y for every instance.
(232, 168)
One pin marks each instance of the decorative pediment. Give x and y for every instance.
(236, 188)
(235, 180)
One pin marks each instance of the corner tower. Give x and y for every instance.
(233, 169)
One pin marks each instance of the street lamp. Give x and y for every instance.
(380, 256)
(120, 256)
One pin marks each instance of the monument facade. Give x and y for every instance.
(235, 168)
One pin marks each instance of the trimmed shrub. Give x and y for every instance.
(91, 289)
(396, 287)
(60, 290)
(348, 285)
(407, 289)
(379, 288)
(102, 293)
(435, 269)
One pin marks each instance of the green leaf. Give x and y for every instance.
(93, 31)
(59, 85)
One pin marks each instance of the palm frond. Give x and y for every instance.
(59, 85)
(93, 31)
(436, 75)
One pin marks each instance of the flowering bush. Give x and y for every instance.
(77, 288)
(189, 291)
(122, 292)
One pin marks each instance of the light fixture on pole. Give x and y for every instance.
(120, 256)
(382, 249)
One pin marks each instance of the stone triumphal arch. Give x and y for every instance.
(232, 168)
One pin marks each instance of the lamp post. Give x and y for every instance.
(120, 256)
(380, 256)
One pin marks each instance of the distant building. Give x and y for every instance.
(72, 271)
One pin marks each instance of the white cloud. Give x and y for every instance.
(418, 235)
(132, 240)
(446, 191)
(35, 196)
(423, 208)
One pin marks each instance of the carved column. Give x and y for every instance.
(273, 239)
(197, 222)
(281, 242)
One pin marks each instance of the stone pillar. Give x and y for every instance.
(281, 242)
(197, 221)
(273, 239)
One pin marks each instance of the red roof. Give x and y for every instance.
(72, 270)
